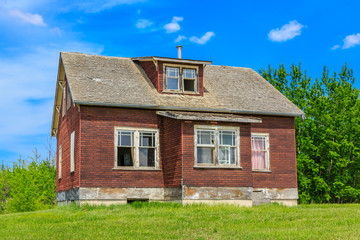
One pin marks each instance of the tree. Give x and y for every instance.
(327, 139)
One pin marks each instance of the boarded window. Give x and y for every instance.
(72, 152)
(60, 162)
(63, 100)
(68, 97)
(260, 151)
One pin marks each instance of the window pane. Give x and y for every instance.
(189, 85)
(147, 139)
(172, 83)
(147, 157)
(224, 155)
(205, 155)
(125, 138)
(227, 138)
(125, 156)
(189, 73)
(205, 137)
(232, 155)
(258, 160)
(172, 72)
(259, 143)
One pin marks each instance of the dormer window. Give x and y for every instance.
(172, 78)
(181, 79)
(189, 79)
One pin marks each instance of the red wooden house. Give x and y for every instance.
(171, 129)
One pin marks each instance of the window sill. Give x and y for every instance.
(137, 169)
(181, 92)
(262, 170)
(219, 167)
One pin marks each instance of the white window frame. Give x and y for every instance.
(60, 162)
(217, 129)
(72, 152)
(181, 78)
(136, 161)
(64, 100)
(267, 154)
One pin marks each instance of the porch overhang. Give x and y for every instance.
(213, 117)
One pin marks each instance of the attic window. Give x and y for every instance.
(172, 78)
(189, 79)
(181, 79)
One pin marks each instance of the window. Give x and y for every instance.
(172, 78)
(136, 148)
(63, 100)
(72, 152)
(181, 79)
(68, 103)
(217, 146)
(60, 162)
(260, 151)
(189, 79)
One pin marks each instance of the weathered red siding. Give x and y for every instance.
(67, 124)
(170, 139)
(97, 148)
(206, 177)
(282, 153)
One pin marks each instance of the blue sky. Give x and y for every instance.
(237, 33)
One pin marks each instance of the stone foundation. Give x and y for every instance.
(240, 196)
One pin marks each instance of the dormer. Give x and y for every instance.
(175, 75)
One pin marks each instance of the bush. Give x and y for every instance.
(27, 185)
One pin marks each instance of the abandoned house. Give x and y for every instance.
(171, 129)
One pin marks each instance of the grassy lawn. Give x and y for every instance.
(174, 221)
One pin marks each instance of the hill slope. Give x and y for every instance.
(174, 221)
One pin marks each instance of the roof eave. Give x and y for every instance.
(218, 110)
(176, 60)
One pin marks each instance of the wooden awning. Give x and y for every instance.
(214, 117)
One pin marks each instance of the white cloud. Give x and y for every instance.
(204, 39)
(335, 47)
(286, 32)
(92, 6)
(180, 38)
(351, 41)
(174, 25)
(143, 23)
(34, 19)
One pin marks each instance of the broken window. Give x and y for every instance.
(181, 79)
(260, 151)
(125, 148)
(137, 148)
(217, 146)
(189, 79)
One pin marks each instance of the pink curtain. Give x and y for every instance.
(258, 153)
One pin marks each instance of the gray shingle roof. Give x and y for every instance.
(118, 81)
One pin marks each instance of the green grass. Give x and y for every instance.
(174, 221)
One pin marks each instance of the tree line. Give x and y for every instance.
(328, 138)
